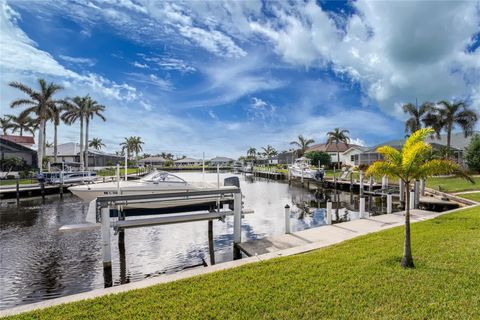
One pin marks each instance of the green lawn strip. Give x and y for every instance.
(112, 172)
(11, 182)
(357, 279)
(453, 184)
(471, 196)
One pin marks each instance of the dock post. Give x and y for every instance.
(351, 182)
(287, 219)
(211, 247)
(237, 224)
(401, 190)
(106, 247)
(302, 178)
(329, 212)
(361, 183)
(18, 190)
(362, 207)
(422, 187)
(389, 203)
(412, 200)
(417, 193)
(42, 189)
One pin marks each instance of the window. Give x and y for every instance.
(352, 158)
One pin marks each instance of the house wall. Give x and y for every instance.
(27, 156)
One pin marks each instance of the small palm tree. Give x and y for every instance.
(417, 116)
(21, 124)
(269, 152)
(302, 143)
(6, 123)
(338, 136)
(132, 145)
(411, 163)
(92, 108)
(96, 143)
(251, 153)
(40, 103)
(447, 115)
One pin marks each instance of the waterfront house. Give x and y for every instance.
(70, 152)
(26, 141)
(221, 161)
(188, 162)
(11, 149)
(458, 143)
(285, 157)
(153, 161)
(347, 152)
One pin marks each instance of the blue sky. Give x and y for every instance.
(221, 76)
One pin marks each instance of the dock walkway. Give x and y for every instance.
(327, 235)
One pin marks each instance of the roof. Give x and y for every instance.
(13, 145)
(153, 159)
(342, 147)
(222, 159)
(73, 149)
(186, 160)
(457, 141)
(398, 144)
(19, 139)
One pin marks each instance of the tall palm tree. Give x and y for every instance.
(132, 145)
(96, 143)
(302, 143)
(417, 115)
(6, 123)
(338, 136)
(92, 109)
(446, 115)
(56, 117)
(75, 111)
(21, 124)
(39, 103)
(410, 164)
(251, 153)
(269, 152)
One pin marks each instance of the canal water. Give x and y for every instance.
(37, 262)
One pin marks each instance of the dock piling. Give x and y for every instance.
(18, 190)
(42, 187)
(362, 207)
(106, 248)
(361, 183)
(389, 203)
(329, 212)
(417, 193)
(401, 189)
(211, 247)
(287, 219)
(412, 200)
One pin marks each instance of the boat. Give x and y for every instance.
(154, 182)
(302, 168)
(248, 168)
(66, 173)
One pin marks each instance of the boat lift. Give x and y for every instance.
(100, 212)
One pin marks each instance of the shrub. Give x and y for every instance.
(472, 154)
(319, 156)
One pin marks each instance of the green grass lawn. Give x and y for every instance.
(453, 184)
(112, 172)
(12, 182)
(471, 196)
(357, 279)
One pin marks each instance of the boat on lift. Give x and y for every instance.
(66, 173)
(155, 182)
(302, 168)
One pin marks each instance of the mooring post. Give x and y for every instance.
(106, 247)
(389, 203)
(237, 225)
(287, 218)
(351, 182)
(42, 188)
(329, 212)
(302, 177)
(361, 183)
(422, 187)
(362, 207)
(412, 200)
(417, 193)
(401, 191)
(211, 247)
(18, 190)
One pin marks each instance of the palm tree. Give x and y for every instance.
(132, 145)
(40, 103)
(92, 109)
(302, 143)
(446, 115)
(96, 143)
(6, 123)
(251, 153)
(22, 124)
(75, 110)
(269, 152)
(55, 117)
(338, 136)
(409, 164)
(417, 115)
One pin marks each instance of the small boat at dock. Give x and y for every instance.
(302, 168)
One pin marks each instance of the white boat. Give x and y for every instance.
(68, 177)
(248, 168)
(155, 182)
(302, 168)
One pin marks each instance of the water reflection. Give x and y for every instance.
(38, 262)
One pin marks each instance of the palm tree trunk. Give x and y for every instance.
(86, 143)
(407, 259)
(41, 141)
(45, 138)
(21, 132)
(449, 136)
(55, 147)
(81, 142)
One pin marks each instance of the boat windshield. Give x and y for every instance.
(162, 176)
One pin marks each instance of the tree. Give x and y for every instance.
(21, 124)
(319, 157)
(39, 103)
(302, 143)
(252, 153)
(446, 115)
(410, 164)
(132, 145)
(96, 143)
(92, 108)
(269, 152)
(6, 123)
(338, 136)
(472, 154)
(417, 115)
(55, 117)
(75, 111)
